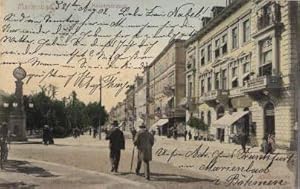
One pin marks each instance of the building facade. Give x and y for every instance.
(140, 100)
(166, 84)
(129, 103)
(240, 70)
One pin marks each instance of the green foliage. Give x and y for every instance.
(198, 124)
(63, 115)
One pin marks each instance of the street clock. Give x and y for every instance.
(19, 73)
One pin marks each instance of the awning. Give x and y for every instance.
(159, 123)
(229, 119)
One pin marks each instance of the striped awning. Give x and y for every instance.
(229, 119)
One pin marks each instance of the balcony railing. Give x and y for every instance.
(262, 82)
(213, 95)
(236, 92)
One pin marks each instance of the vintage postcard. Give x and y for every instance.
(128, 94)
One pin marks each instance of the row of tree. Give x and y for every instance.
(63, 115)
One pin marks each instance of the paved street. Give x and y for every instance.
(84, 162)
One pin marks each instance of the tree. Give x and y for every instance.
(197, 124)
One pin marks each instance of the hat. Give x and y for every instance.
(142, 125)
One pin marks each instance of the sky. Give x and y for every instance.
(123, 43)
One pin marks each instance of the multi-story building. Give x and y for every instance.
(117, 113)
(166, 84)
(140, 100)
(240, 70)
(129, 103)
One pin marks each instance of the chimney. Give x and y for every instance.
(205, 20)
(216, 10)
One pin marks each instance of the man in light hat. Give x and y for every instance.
(144, 141)
(116, 144)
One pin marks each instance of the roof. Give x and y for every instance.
(225, 13)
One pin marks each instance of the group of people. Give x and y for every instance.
(142, 139)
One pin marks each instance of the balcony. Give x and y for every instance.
(262, 83)
(235, 92)
(214, 95)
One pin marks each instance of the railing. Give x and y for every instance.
(263, 82)
(213, 95)
(236, 92)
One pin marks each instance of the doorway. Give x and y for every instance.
(269, 116)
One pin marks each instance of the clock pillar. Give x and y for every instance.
(17, 118)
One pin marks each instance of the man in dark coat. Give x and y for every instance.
(46, 134)
(144, 141)
(116, 143)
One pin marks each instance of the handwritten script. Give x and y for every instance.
(73, 42)
(250, 169)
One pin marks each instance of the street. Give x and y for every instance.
(87, 159)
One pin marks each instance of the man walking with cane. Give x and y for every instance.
(144, 141)
(116, 143)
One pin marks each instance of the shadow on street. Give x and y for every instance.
(26, 168)
(17, 185)
(162, 177)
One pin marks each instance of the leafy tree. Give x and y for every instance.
(197, 124)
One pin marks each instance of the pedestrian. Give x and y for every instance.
(4, 135)
(90, 131)
(94, 132)
(144, 141)
(185, 134)
(116, 144)
(190, 135)
(133, 132)
(243, 140)
(51, 141)
(46, 134)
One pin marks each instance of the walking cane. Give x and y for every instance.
(132, 157)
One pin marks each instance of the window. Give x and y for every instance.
(235, 38)
(224, 79)
(217, 48)
(202, 86)
(217, 81)
(246, 67)
(202, 57)
(235, 83)
(265, 67)
(224, 44)
(208, 84)
(234, 71)
(208, 118)
(246, 31)
(190, 86)
(209, 53)
(202, 116)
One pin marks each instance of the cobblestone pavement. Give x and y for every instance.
(177, 164)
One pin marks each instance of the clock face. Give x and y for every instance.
(19, 73)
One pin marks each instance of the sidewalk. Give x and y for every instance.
(38, 174)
